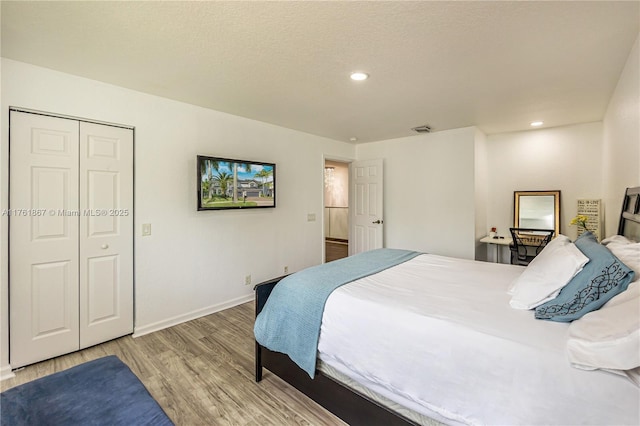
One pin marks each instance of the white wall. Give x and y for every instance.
(592, 160)
(481, 193)
(621, 153)
(194, 262)
(561, 158)
(444, 190)
(5, 371)
(428, 191)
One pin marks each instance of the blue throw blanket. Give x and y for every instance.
(99, 392)
(290, 320)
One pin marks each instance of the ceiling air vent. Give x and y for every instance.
(422, 129)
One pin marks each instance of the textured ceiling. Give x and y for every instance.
(496, 65)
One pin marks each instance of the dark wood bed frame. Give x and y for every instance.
(630, 213)
(346, 403)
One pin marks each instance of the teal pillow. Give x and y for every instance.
(603, 277)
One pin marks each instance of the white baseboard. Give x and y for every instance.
(6, 373)
(170, 322)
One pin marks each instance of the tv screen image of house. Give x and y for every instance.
(224, 183)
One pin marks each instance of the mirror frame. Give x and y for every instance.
(556, 207)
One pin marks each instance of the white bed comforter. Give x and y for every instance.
(437, 335)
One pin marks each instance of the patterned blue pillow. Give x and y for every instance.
(603, 277)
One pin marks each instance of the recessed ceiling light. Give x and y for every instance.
(359, 76)
(353, 139)
(537, 123)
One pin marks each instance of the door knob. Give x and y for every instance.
(105, 246)
(377, 222)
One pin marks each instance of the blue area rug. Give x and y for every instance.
(99, 392)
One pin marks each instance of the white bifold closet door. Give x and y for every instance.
(70, 235)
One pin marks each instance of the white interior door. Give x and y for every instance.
(366, 206)
(71, 235)
(43, 237)
(106, 233)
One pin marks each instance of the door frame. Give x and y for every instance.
(347, 161)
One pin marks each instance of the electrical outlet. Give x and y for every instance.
(247, 280)
(286, 269)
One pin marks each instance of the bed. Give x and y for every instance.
(427, 339)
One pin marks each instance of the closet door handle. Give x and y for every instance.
(105, 246)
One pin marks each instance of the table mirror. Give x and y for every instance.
(537, 209)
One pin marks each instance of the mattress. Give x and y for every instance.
(346, 381)
(437, 335)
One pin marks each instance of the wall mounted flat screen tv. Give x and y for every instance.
(224, 183)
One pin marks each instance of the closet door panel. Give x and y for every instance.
(106, 233)
(43, 237)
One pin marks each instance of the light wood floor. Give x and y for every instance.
(201, 373)
(334, 250)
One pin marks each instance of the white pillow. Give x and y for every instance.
(608, 338)
(621, 239)
(547, 273)
(628, 253)
(560, 239)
